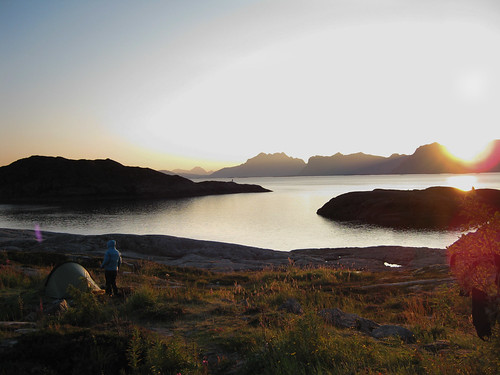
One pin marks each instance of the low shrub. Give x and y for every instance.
(84, 351)
(150, 355)
(86, 310)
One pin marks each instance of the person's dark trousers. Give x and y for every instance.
(111, 282)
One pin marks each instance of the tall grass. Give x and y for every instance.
(234, 323)
(19, 289)
(309, 347)
(147, 303)
(15, 277)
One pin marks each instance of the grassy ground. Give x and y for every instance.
(172, 320)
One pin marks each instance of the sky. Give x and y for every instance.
(185, 83)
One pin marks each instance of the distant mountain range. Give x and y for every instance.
(428, 159)
(196, 172)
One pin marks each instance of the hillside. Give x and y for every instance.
(41, 178)
(427, 159)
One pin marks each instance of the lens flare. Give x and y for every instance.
(468, 152)
(489, 158)
(38, 233)
(478, 156)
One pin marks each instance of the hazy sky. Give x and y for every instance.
(175, 84)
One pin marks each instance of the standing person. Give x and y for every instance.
(111, 264)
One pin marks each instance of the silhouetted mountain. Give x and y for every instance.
(359, 163)
(431, 158)
(196, 172)
(264, 165)
(427, 159)
(41, 178)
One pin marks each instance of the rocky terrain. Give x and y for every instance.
(219, 256)
(40, 178)
(432, 208)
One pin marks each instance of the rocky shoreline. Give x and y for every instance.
(219, 256)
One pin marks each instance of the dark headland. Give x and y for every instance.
(42, 178)
(440, 208)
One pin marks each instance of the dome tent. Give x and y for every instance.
(66, 274)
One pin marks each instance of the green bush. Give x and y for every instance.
(150, 355)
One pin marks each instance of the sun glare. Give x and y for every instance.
(467, 151)
(464, 182)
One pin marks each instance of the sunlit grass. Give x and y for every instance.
(184, 320)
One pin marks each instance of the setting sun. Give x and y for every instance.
(468, 150)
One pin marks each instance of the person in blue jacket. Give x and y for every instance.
(111, 264)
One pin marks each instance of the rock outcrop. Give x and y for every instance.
(41, 178)
(432, 208)
(373, 258)
(341, 319)
(219, 256)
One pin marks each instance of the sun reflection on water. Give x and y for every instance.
(462, 182)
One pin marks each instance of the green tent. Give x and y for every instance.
(67, 274)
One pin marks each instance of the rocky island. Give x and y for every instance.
(433, 208)
(48, 179)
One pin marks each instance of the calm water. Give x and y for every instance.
(285, 219)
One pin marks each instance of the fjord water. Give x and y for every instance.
(284, 219)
